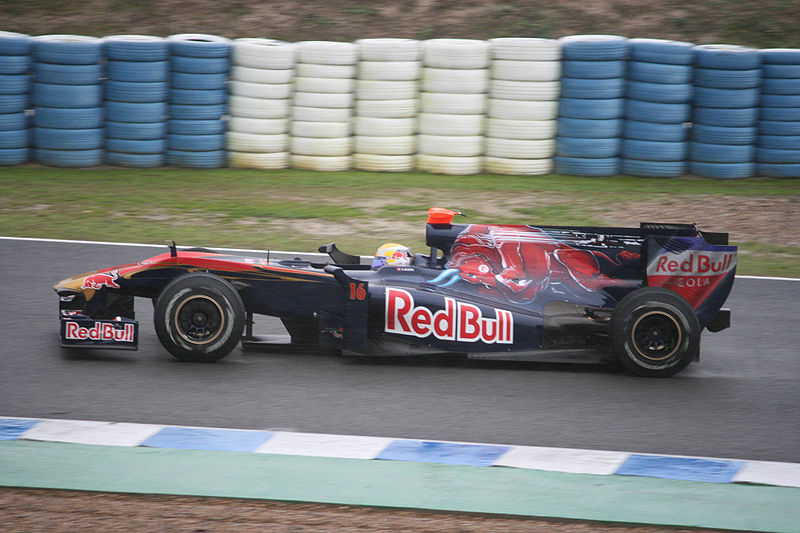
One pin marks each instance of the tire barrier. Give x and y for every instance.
(326, 72)
(67, 84)
(523, 71)
(593, 89)
(778, 143)
(260, 88)
(455, 77)
(388, 77)
(725, 110)
(586, 105)
(659, 78)
(137, 95)
(15, 88)
(199, 65)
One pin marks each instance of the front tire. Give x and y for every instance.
(655, 332)
(199, 318)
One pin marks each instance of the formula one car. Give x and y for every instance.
(642, 294)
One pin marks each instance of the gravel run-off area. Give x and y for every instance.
(29, 510)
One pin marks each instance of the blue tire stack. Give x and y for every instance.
(197, 100)
(15, 85)
(727, 80)
(136, 100)
(778, 150)
(591, 105)
(658, 107)
(68, 101)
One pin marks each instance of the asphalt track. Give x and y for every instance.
(740, 401)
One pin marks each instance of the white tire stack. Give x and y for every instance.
(387, 92)
(260, 91)
(322, 110)
(523, 104)
(455, 79)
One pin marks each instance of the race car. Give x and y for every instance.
(642, 295)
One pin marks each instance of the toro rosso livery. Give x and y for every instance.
(642, 294)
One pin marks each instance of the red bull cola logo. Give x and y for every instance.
(694, 274)
(692, 263)
(100, 280)
(458, 321)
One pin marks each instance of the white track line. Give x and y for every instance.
(768, 278)
(162, 245)
(130, 244)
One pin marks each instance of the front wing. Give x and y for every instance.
(81, 331)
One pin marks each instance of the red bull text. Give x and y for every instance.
(458, 321)
(692, 263)
(694, 274)
(101, 331)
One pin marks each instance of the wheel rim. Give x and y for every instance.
(199, 319)
(656, 336)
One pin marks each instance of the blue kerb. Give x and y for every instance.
(659, 466)
(682, 468)
(442, 452)
(229, 440)
(12, 428)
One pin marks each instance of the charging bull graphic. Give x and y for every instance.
(99, 280)
(522, 262)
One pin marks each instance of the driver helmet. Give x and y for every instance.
(393, 254)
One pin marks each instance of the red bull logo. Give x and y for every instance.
(694, 274)
(521, 262)
(100, 280)
(101, 331)
(458, 321)
(692, 263)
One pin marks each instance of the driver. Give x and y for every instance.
(392, 254)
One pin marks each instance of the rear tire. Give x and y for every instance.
(199, 318)
(655, 332)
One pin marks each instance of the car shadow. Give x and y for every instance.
(462, 361)
(100, 355)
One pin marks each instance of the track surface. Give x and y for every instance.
(740, 401)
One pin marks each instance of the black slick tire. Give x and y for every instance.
(199, 318)
(655, 332)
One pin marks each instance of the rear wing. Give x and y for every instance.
(686, 230)
(698, 265)
(440, 234)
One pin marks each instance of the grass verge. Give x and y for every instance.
(298, 210)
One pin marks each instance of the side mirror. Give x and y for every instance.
(338, 256)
